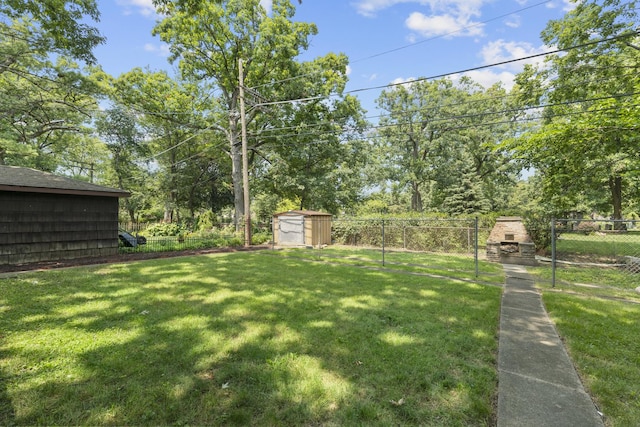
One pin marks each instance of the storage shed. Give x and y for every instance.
(302, 228)
(45, 217)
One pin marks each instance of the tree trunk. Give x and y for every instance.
(615, 185)
(236, 170)
(416, 198)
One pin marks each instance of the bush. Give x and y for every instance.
(164, 229)
(260, 238)
(539, 228)
(206, 221)
(587, 227)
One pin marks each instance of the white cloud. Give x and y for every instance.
(441, 25)
(434, 17)
(401, 81)
(513, 21)
(488, 78)
(566, 5)
(267, 5)
(501, 51)
(370, 7)
(162, 49)
(143, 7)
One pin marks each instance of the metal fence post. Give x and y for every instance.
(273, 236)
(553, 252)
(476, 247)
(383, 242)
(404, 235)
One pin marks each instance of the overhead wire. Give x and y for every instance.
(450, 33)
(484, 99)
(458, 127)
(391, 85)
(411, 44)
(437, 119)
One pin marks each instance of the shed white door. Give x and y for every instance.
(291, 230)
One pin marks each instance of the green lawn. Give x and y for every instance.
(600, 325)
(456, 266)
(597, 281)
(598, 245)
(597, 259)
(246, 339)
(603, 339)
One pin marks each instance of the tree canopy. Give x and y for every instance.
(586, 143)
(449, 146)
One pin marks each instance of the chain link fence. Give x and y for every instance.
(167, 237)
(462, 237)
(595, 253)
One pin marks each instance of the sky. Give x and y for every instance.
(386, 41)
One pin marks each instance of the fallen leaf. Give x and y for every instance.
(397, 403)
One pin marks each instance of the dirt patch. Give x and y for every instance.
(120, 258)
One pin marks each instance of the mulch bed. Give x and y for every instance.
(120, 258)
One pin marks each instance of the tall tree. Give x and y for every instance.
(587, 139)
(464, 196)
(209, 37)
(174, 113)
(119, 130)
(313, 151)
(433, 126)
(43, 99)
(62, 23)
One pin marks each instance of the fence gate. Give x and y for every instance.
(291, 230)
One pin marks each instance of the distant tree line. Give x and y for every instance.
(447, 146)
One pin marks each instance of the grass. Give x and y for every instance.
(597, 260)
(245, 339)
(599, 325)
(599, 245)
(455, 266)
(602, 339)
(595, 281)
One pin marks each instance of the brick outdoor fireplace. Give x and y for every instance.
(509, 242)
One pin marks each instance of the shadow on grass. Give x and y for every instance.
(246, 339)
(602, 338)
(7, 413)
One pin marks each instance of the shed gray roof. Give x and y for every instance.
(26, 180)
(303, 213)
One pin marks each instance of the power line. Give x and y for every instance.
(467, 70)
(477, 24)
(513, 121)
(474, 115)
(496, 64)
(412, 44)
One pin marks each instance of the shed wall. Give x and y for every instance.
(38, 227)
(317, 229)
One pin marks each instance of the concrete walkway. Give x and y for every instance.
(538, 385)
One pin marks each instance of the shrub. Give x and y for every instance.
(163, 229)
(260, 238)
(587, 227)
(206, 221)
(539, 228)
(235, 242)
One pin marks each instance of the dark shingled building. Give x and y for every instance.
(45, 217)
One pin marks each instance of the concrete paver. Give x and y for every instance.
(537, 382)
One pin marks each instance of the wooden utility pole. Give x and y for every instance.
(245, 159)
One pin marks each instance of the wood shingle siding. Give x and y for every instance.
(55, 218)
